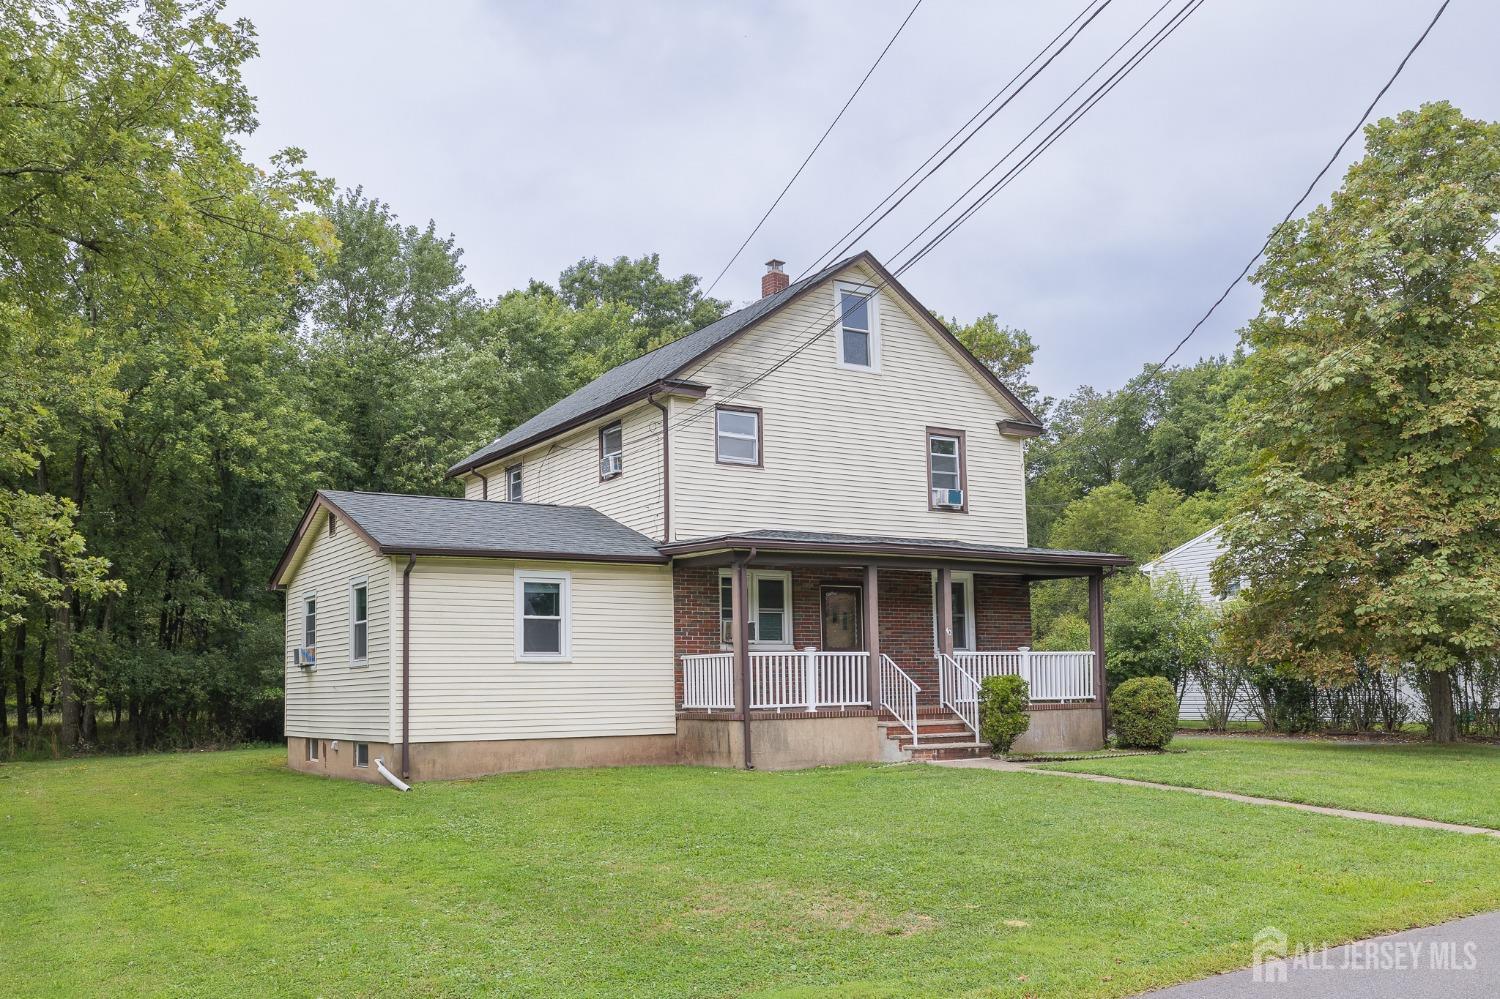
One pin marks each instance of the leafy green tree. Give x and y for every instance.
(662, 308)
(1156, 627)
(1006, 351)
(1367, 521)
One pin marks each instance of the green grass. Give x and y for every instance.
(226, 874)
(1448, 783)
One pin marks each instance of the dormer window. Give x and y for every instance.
(611, 451)
(513, 483)
(859, 327)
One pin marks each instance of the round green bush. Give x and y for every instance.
(1144, 712)
(1003, 719)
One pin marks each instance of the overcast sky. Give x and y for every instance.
(540, 133)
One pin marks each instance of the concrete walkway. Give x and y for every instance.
(1346, 813)
(1457, 960)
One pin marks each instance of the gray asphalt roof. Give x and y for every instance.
(644, 371)
(404, 524)
(875, 541)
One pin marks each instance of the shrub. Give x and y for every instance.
(1003, 701)
(1144, 711)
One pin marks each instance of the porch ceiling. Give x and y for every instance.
(817, 548)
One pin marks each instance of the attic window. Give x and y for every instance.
(859, 328)
(513, 483)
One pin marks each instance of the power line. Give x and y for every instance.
(844, 242)
(818, 145)
(1305, 194)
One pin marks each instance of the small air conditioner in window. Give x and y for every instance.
(306, 657)
(949, 499)
(726, 632)
(610, 465)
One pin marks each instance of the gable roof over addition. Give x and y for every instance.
(660, 371)
(401, 524)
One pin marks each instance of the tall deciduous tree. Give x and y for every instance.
(1368, 522)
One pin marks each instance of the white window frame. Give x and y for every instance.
(565, 614)
(365, 747)
(755, 438)
(754, 609)
(872, 308)
(617, 428)
(309, 598)
(970, 641)
(312, 751)
(355, 584)
(515, 485)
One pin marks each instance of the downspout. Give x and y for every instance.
(484, 484)
(411, 562)
(743, 634)
(666, 472)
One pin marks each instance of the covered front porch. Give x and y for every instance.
(781, 626)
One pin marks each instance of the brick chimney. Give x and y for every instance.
(774, 279)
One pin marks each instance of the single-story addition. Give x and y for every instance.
(795, 536)
(451, 638)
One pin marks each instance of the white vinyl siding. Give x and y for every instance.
(566, 471)
(845, 450)
(468, 683)
(339, 699)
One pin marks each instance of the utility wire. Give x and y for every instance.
(818, 145)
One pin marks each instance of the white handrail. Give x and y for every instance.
(959, 691)
(898, 694)
(1049, 676)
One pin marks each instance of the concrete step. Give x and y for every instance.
(950, 751)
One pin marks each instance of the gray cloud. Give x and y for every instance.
(541, 133)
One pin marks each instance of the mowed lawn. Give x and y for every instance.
(1459, 783)
(226, 874)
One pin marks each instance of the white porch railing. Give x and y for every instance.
(958, 690)
(1049, 676)
(898, 694)
(801, 681)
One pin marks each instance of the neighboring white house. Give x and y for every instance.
(795, 536)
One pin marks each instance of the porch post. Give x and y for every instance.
(872, 632)
(740, 622)
(945, 611)
(1096, 643)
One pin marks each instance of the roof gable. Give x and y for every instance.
(661, 370)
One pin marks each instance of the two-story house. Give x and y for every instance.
(795, 536)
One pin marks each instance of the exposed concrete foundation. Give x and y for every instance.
(780, 743)
(336, 758)
(1063, 729)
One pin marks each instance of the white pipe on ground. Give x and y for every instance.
(396, 782)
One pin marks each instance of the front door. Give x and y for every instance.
(841, 619)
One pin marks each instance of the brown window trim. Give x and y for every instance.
(760, 436)
(515, 468)
(602, 431)
(963, 466)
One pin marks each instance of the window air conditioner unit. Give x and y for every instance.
(306, 657)
(610, 464)
(726, 632)
(949, 499)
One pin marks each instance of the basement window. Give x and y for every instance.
(314, 748)
(362, 755)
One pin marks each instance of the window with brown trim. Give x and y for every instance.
(738, 435)
(611, 451)
(513, 483)
(947, 472)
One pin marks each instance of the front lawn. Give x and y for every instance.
(1449, 783)
(225, 874)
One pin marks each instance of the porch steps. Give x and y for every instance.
(941, 735)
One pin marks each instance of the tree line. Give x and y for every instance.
(193, 343)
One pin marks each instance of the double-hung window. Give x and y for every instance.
(359, 622)
(611, 451)
(770, 608)
(310, 623)
(737, 435)
(859, 327)
(542, 615)
(513, 483)
(946, 479)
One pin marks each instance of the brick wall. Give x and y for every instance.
(1002, 612)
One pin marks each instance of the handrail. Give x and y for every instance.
(959, 691)
(898, 694)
